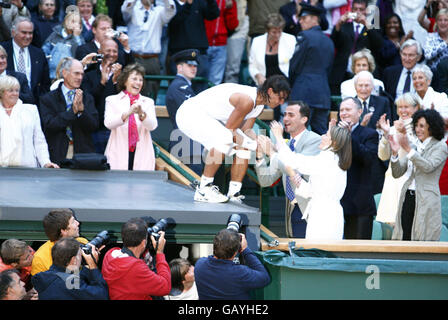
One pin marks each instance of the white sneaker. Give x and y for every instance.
(237, 198)
(209, 193)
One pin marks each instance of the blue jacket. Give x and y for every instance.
(218, 279)
(310, 67)
(55, 284)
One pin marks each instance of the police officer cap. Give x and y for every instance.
(308, 9)
(189, 56)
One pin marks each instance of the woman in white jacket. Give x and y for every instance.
(22, 142)
(270, 53)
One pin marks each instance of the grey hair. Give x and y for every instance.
(19, 20)
(425, 70)
(66, 64)
(364, 54)
(7, 83)
(408, 98)
(410, 43)
(356, 102)
(364, 73)
(41, 2)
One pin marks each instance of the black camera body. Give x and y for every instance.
(100, 239)
(99, 57)
(5, 4)
(159, 226)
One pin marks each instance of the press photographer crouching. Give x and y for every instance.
(219, 277)
(126, 270)
(66, 279)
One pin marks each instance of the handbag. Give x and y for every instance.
(86, 161)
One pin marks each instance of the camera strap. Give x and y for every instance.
(128, 252)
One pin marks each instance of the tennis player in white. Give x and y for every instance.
(221, 119)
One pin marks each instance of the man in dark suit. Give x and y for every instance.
(398, 79)
(25, 93)
(102, 29)
(180, 90)
(373, 108)
(310, 66)
(26, 58)
(290, 14)
(358, 201)
(352, 33)
(101, 83)
(68, 115)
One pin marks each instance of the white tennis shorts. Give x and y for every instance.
(203, 128)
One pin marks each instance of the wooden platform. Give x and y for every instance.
(376, 249)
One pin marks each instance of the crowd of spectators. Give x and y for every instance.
(72, 80)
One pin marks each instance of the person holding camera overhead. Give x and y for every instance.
(63, 41)
(350, 34)
(66, 280)
(218, 277)
(126, 269)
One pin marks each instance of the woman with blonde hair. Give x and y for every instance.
(63, 41)
(22, 142)
(407, 105)
(361, 60)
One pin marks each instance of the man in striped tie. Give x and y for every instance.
(302, 141)
(69, 115)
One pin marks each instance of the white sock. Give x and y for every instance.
(205, 181)
(234, 188)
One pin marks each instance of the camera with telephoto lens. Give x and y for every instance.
(5, 4)
(234, 222)
(159, 226)
(100, 239)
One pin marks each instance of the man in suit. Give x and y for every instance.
(302, 141)
(398, 79)
(310, 67)
(100, 83)
(352, 33)
(178, 91)
(102, 29)
(358, 201)
(373, 108)
(26, 58)
(25, 93)
(69, 115)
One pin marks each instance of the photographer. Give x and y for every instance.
(66, 280)
(127, 274)
(218, 277)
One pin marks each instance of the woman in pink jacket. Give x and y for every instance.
(130, 117)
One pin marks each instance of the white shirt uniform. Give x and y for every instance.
(203, 117)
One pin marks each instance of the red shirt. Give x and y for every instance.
(217, 30)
